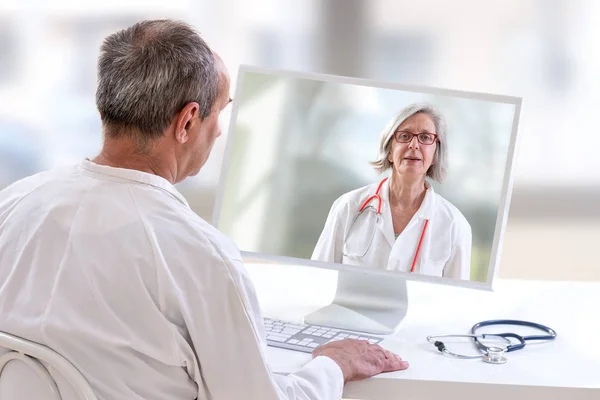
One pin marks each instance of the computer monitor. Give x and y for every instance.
(384, 182)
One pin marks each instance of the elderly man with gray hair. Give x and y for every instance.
(105, 263)
(400, 223)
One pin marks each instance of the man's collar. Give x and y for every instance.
(134, 175)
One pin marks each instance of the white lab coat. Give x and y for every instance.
(112, 269)
(446, 247)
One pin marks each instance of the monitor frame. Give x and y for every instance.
(504, 201)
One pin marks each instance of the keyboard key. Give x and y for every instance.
(276, 338)
(293, 341)
(279, 335)
(313, 345)
(296, 326)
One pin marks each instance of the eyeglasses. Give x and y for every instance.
(425, 138)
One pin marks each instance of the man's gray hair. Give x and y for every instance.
(436, 171)
(148, 72)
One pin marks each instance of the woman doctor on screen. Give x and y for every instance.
(404, 225)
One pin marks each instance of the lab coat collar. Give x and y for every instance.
(134, 175)
(426, 210)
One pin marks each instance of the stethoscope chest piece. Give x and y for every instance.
(495, 355)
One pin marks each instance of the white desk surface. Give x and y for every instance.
(567, 368)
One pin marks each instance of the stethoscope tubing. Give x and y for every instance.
(551, 333)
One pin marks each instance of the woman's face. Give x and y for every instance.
(413, 158)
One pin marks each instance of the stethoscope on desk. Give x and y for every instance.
(366, 205)
(495, 354)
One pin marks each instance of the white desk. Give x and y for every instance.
(567, 368)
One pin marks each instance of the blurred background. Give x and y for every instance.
(542, 50)
(285, 171)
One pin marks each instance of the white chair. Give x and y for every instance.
(36, 381)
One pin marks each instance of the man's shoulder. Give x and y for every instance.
(27, 185)
(222, 243)
(32, 181)
(181, 225)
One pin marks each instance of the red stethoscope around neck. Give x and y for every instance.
(366, 204)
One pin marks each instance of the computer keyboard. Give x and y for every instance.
(305, 337)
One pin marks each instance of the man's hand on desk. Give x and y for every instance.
(359, 359)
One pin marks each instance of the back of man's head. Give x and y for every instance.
(147, 73)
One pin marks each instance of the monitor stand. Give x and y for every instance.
(364, 302)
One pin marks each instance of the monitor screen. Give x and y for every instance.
(347, 173)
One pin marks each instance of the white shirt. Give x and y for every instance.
(112, 269)
(445, 249)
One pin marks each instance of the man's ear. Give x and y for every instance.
(184, 120)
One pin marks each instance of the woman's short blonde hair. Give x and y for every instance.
(437, 170)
